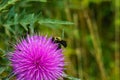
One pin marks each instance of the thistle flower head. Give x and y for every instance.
(37, 58)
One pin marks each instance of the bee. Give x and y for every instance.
(60, 42)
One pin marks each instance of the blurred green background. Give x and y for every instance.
(90, 27)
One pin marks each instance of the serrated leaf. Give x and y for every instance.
(70, 77)
(1, 50)
(50, 21)
(39, 0)
(8, 28)
(11, 12)
(28, 19)
(43, 0)
(16, 19)
(7, 3)
(2, 69)
(24, 26)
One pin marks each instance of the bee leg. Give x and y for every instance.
(53, 39)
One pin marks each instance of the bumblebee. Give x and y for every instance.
(60, 42)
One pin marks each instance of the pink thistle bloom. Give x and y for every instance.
(37, 58)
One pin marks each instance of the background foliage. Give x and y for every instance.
(90, 27)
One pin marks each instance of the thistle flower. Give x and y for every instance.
(37, 58)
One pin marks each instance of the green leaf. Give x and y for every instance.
(51, 21)
(1, 50)
(2, 69)
(8, 29)
(30, 18)
(16, 19)
(39, 0)
(43, 0)
(7, 3)
(70, 77)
